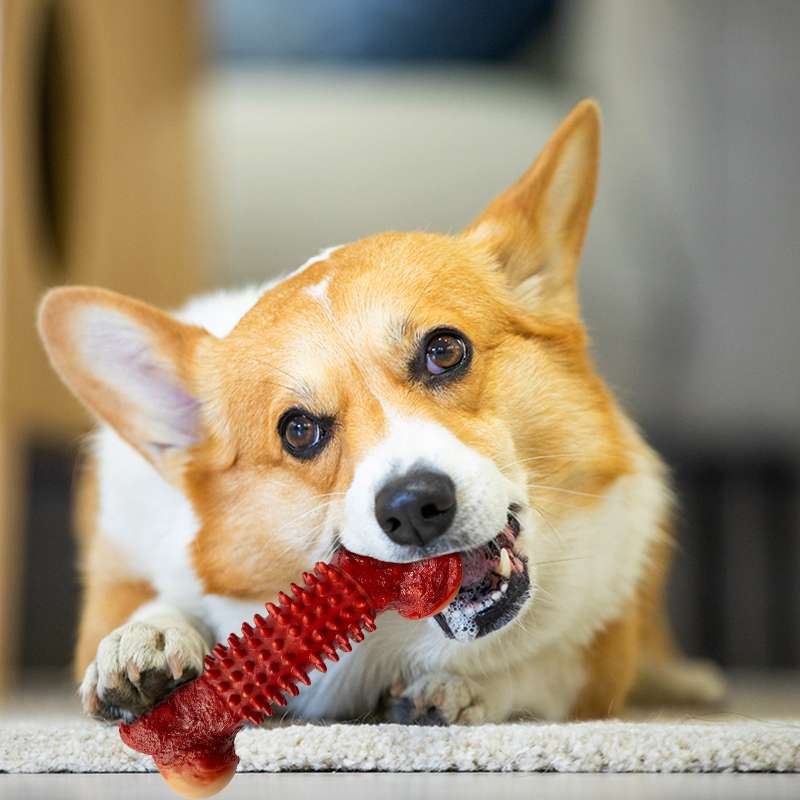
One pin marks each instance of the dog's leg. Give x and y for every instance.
(681, 681)
(610, 664)
(107, 603)
(665, 675)
(141, 661)
(131, 650)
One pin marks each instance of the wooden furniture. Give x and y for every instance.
(97, 187)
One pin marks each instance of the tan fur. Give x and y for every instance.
(107, 604)
(531, 401)
(612, 659)
(611, 662)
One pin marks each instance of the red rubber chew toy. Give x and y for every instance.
(191, 734)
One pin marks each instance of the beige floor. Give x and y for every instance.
(371, 786)
(774, 696)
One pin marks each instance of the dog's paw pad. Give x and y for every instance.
(440, 699)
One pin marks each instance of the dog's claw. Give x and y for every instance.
(136, 666)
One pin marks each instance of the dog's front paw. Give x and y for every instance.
(136, 666)
(437, 699)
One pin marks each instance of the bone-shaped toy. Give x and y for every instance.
(191, 734)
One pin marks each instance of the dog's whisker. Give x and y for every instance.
(535, 508)
(518, 621)
(560, 560)
(330, 550)
(289, 389)
(545, 487)
(569, 454)
(327, 494)
(316, 509)
(544, 457)
(311, 512)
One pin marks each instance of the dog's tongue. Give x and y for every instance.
(415, 590)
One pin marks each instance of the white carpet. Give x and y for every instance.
(738, 746)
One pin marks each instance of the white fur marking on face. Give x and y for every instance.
(219, 312)
(483, 494)
(319, 291)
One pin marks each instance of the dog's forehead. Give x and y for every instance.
(372, 286)
(348, 313)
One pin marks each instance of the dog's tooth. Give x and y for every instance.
(504, 565)
(504, 587)
(496, 596)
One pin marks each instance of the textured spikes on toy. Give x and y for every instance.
(284, 599)
(247, 630)
(330, 652)
(368, 623)
(341, 640)
(356, 633)
(317, 663)
(298, 633)
(301, 676)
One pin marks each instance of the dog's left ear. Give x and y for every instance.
(535, 229)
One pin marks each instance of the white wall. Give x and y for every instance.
(703, 115)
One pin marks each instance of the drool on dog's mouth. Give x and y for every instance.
(494, 587)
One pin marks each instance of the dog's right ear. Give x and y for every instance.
(130, 364)
(535, 229)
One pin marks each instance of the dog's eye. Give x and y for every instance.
(302, 434)
(444, 351)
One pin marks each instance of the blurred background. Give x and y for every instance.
(160, 148)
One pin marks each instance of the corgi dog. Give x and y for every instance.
(403, 396)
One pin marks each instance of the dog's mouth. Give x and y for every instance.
(494, 587)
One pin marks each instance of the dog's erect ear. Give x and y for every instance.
(536, 228)
(130, 364)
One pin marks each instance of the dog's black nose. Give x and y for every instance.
(417, 507)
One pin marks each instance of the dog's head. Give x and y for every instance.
(405, 395)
